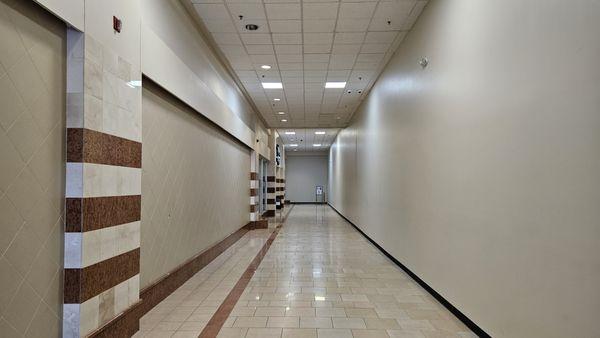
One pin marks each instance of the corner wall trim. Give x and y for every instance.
(461, 316)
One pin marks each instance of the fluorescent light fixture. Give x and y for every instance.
(272, 85)
(265, 67)
(276, 100)
(134, 84)
(280, 113)
(317, 145)
(283, 120)
(335, 84)
(319, 298)
(290, 133)
(319, 133)
(293, 145)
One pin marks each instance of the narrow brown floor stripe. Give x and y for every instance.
(215, 324)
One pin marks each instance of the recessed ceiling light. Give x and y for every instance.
(280, 113)
(293, 145)
(276, 100)
(290, 133)
(317, 145)
(265, 67)
(272, 85)
(335, 84)
(283, 120)
(251, 27)
(319, 133)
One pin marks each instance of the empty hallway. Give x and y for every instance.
(299, 168)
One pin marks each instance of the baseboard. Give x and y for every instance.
(456, 312)
(269, 213)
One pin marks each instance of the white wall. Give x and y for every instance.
(302, 174)
(481, 173)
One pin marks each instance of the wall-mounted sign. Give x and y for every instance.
(319, 190)
(117, 24)
(278, 155)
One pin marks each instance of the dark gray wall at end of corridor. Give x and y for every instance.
(481, 172)
(302, 174)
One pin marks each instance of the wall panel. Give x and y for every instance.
(481, 172)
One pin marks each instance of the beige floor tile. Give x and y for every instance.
(250, 322)
(316, 322)
(300, 311)
(185, 334)
(334, 333)
(369, 334)
(362, 313)
(299, 333)
(264, 333)
(232, 332)
(331, 312)
(269, 311)
(405, 334)
(290, 322)
(382, 323)
(348, 323)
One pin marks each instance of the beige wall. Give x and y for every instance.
(194, 75)
(303, 172)
(32, 128)
(481, 173)
(195, 184)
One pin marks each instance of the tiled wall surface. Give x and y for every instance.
(103, 186)
(194, 184)
(32, 100)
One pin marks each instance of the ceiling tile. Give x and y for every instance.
(287, 38)
(356, 10)
(320, 10)
(227, 39)
(380, 37)
(247, 10)
(283, 11)
(374, 48)
(349, 38)
(259, 49)
(324, 26)
(288, 49)
(346, 49)
(352, 25)
(285, 26)
(256, 39)
(318, 38)
(220, 26)
(317, 48)
(316, 57)
(212, 11)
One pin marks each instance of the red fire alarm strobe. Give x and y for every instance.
(116, 24)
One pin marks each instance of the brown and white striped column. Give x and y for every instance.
(271, 196)
(103, 191)
(254, 186)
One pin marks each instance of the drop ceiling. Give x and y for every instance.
(305, 139)
(307, 43)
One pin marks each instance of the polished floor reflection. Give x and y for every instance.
(320, 278)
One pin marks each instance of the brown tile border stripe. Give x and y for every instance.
(270, 178)
(253, 192)
(215, 324)
(88, 214)
(253, 176)
(253, 207)
(101, 148)
(83, 284)
(270, 190)
(155, 293)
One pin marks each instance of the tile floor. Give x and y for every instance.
(320, 278)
